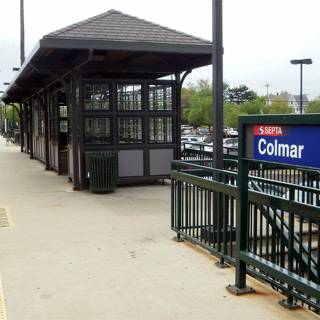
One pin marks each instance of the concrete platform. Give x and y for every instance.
(83, 256)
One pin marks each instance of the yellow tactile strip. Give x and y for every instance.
(3, 315)
(6, 220)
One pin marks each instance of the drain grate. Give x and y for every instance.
(6, 220)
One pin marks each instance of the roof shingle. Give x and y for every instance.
(115, 25)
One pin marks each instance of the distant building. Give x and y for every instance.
(293, 101)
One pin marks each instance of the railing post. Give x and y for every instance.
(178, 206)
(223, 214)
(242, 219)
(289, 304)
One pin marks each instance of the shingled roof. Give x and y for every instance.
(117, 26)
(112, 45)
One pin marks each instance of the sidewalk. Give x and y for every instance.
(82, 256)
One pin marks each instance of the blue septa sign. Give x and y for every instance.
(292, 144)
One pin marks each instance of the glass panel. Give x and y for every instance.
(97, 131)
(130, 130)
(63, 126)
(54, 130)
(96, 97)
(63, 111)
(129, 97)
(96, 88)
(160, 130)
(160, 97)
(41, 128)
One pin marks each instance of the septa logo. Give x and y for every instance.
(269, 130)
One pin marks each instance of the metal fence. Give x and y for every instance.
(14, 135)
(274, 237)
(200, 151)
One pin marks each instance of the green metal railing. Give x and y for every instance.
(196, 204)
(201, 151)
(278, 228)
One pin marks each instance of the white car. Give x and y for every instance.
(185, 127)
(187, 141)
(187, 132)
(230, 142)
(230, 132)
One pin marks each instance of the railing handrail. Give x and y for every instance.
(191, 164)
(272, 206)
(194, 164)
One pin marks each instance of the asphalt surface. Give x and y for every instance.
(78, 255)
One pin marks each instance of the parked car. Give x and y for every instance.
(185, 127)
(230, 132)
(232, 151)
(187, 132)
(208, 147)
(203, 131)
(187, 141)
(208, 139)
(230, 142)
(230, 146)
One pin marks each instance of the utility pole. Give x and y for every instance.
(268, 85)
(22, 56)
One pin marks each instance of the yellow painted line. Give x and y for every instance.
(3, 314)
(6, 220)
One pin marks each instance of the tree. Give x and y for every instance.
(254, 106)
(276, 108)
(231, 112)
(197, 103)
(240, 95)
(201, 108)
(313, 107)
(9, 113)
(279, 106)
(187, 93)
(203, 84)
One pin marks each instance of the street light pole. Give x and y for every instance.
(301, 62)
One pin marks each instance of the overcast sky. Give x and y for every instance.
(260, 37)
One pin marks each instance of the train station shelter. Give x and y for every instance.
(111, 82)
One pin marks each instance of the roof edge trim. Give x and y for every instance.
(125, 45)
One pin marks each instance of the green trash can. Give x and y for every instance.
(102, 170)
